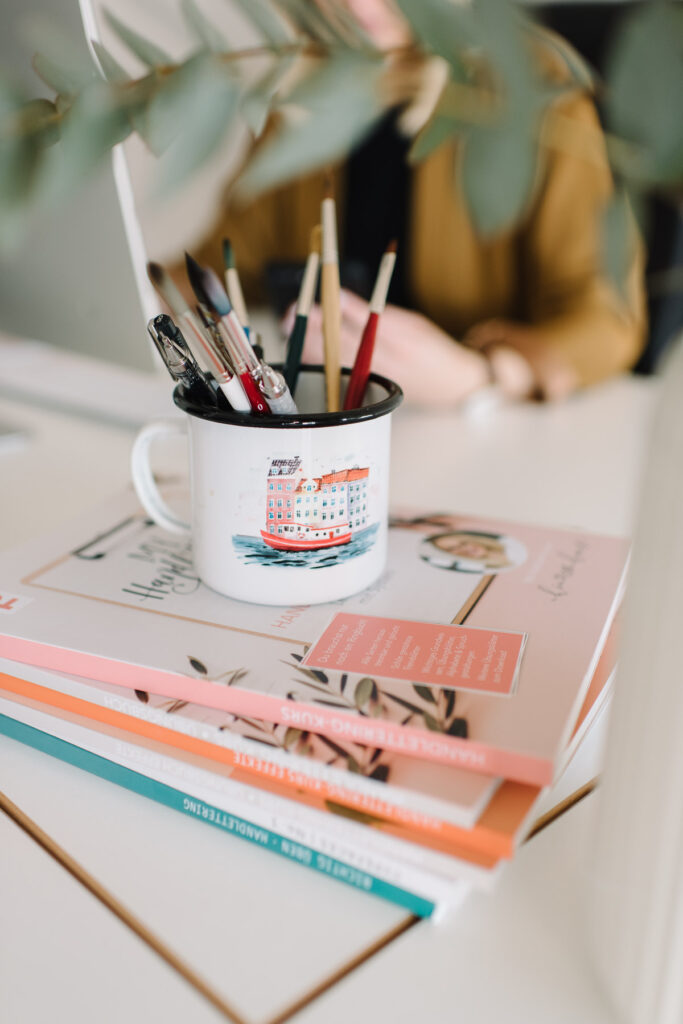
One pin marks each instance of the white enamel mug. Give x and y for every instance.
(286, 510)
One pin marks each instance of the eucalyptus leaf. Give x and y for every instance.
(579, 68)
(61, 79)
(63, 62)
(339, 104)
(137, 101)
(209, 105)
(265, 20)
(431, 723)
(644, 87)
(206, 32)
(380, 773)
(441, 26)
(111, 69)
(257, 101)
(432, 135)
(450, 702)
(145, 50)
(39, 118)
(19, 160)
(22, 145)
(165, 115)
(617, 235)
(501, 34)
(93, 125)
(309, 18)
(498, 172)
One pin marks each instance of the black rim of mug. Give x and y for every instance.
(314, 419)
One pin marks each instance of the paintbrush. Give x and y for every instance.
(330, 299)
(234, 287)
(297, 337)
(360, 373)
(202, 342)
(210, 292)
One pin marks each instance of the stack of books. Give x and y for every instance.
(401, 741)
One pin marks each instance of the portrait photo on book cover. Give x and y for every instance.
(473, 551)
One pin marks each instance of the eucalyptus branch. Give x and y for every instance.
(496, 101)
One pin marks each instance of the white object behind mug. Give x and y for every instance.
(285, 510)
(635, 889)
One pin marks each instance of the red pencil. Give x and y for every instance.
(361, 367)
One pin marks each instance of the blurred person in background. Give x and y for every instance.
(529, 311)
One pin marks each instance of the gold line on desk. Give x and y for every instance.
(99, 892)
(564, 805)
(345, 970)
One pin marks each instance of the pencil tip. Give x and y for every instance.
(328, 191)
(316, 239)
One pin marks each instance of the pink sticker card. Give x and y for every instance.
(434, 654)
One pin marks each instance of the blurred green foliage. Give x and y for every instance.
(323, 84)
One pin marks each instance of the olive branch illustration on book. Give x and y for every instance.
(366, 697)
(436, 710)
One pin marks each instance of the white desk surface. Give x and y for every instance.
(263, 935)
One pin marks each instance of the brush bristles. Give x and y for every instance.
(215, 292)
(156, 274)
(392, 247)
(194, 273)
(164, 285)
(328, 190)
(228, 255)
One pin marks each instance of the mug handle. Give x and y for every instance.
(143, 478)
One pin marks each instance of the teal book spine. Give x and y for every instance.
(195, 808)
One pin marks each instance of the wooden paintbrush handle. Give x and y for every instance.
(331, 330)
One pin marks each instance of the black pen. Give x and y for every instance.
(179, 361)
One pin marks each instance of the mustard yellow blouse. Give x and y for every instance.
(546, 273)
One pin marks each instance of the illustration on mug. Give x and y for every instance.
(305, 513)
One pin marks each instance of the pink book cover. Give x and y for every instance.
(114, 598)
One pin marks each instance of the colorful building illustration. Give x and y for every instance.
(305, 513)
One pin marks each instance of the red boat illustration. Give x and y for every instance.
(308, 513)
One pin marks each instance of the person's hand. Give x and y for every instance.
(431, 368)
(522, 363)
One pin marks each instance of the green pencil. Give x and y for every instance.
(295, 343)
